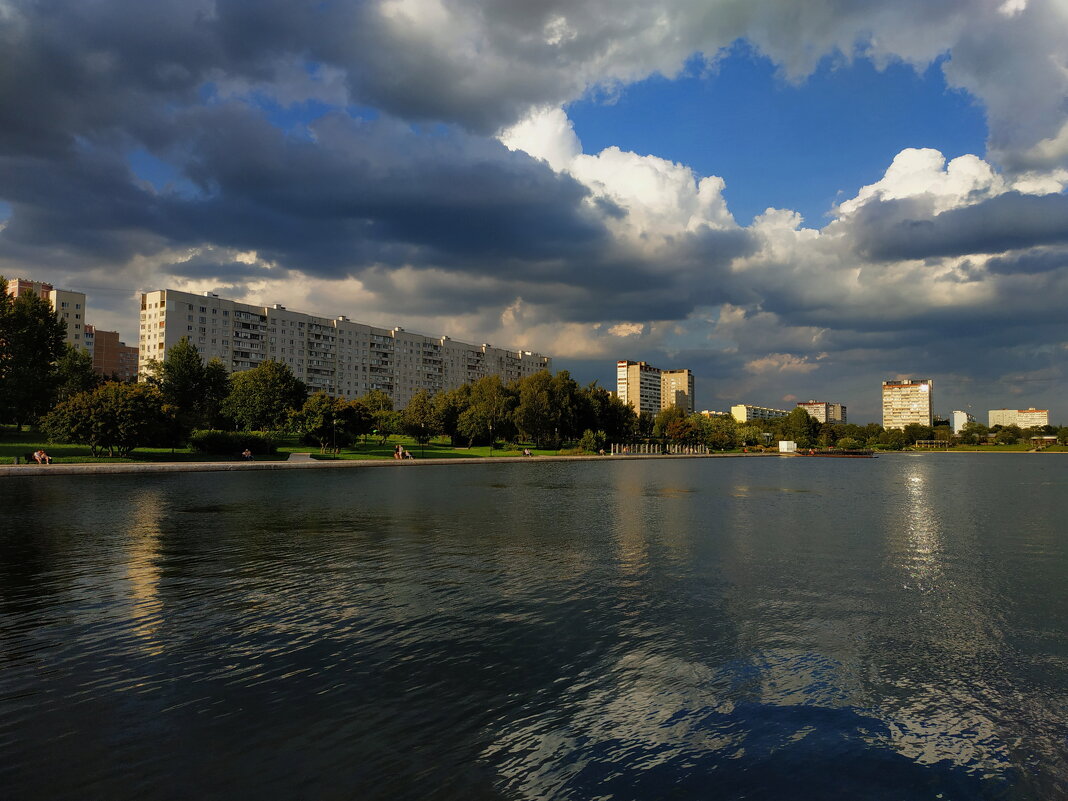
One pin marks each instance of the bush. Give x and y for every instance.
(232, 443)
(592, 441)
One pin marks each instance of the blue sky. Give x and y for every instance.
(801, 146)
(587, 180)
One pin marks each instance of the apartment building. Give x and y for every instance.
(69, 306)
(330, 354)
(825, 412)
(744, 413)
(906, 401)
(959, 419)
(1024, 418)
(111, 356)
(650, 389)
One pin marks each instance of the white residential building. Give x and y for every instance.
(69, 306)
(650, 389)
(825, 412)
(744, 412)
(960, 419)
(330, 354)
(1024, 418)
(906, 401)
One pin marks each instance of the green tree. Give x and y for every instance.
(750, 435)
(665, 418)
(377, 401)
(195, 390)
(801, 427)
(114, 417)
(216, 386)
(536, 415)
(74, 373)
(325, 421)
(263, 398)
(1008, 435)
(418, 420)
(721, 433)
(31, 342)
(489, 415)
(592, 441)
(894, 439)
(609, 414)
(973, 433)
(686, 431)
(914, 432)
(448, 407)
(358, 419)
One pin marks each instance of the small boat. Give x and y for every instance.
(840, 453)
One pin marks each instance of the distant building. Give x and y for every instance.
(111, 357)
(709, 413)
(907, 401)
(330, 354)
(69, 306)
(1024, 418)
(744, 412)
(825, 412)
(649, 389)
(960, 419)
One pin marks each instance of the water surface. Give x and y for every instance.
(721, 628)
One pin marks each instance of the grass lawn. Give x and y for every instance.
(24, 443)
(437, 449)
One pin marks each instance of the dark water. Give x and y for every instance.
(719, 629)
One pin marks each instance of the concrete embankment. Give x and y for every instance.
(303, 461)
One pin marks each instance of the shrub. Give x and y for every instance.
(592, 441)
(232, 443)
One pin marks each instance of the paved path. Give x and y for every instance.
(304, 461)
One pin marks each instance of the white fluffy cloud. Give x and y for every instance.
(658, 200)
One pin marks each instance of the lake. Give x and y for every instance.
(758, 628)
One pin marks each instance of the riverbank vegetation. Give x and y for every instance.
(188, 409)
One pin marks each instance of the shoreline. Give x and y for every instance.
(304, 461)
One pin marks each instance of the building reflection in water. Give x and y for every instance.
(143, 570)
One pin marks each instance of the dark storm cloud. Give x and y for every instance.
(360, 194)
(1030, 262)
(898, 229)
(202, 266)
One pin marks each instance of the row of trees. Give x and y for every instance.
(183, 394)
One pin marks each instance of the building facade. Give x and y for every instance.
(907, 401)
(744, 413)
(825, 412)
(111, 357)
(959, 419)
(650, 389)
(676, 389)
(330, 354)
(1024, 418)
(69, 306)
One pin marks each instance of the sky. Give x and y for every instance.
(794, 200)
